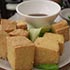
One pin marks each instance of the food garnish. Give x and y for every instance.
(38, 32)
(68, 17)
(47, 66)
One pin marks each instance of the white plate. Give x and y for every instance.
(64, 59)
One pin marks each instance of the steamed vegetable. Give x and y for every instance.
(68, 17)
(38, 32)
(34, 33)
(44, 29)
(47, 67)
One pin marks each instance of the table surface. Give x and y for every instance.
(66, 67)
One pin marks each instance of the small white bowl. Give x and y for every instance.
(65, 13)
(50, 8)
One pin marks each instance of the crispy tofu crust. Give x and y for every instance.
(21, 25)
(47, 51)
(57, 37)
(19, 32)
(3, 44)
(8, 25)
(62, 27)
(20, 53)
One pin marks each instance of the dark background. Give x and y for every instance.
(4, 13)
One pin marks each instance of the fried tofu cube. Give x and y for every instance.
(57, 37)
(62, 28)
(65, 32)
(3, 44)
(0, 27)
(60, 24)
(19, 32)
(47, 51)
(20, 53)
(21, 24)
(8, 25)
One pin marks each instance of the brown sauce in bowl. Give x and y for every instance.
(37, 14)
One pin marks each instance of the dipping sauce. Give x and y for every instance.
(37, 14)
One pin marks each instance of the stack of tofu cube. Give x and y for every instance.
(22, 53)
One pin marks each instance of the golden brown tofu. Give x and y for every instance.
(65, 32)
(21, 24)
(47, 51)
(57, 37)
(8, 25)
(20, 53)
(19, 32)
(59, 24)
(0, 27)
(61, 28)
(3, 44)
